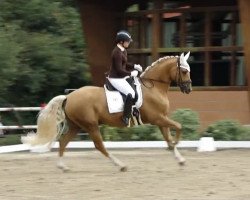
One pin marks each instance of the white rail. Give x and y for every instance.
(21, 109)
(126, 145)
(15, 127)
(19, 127)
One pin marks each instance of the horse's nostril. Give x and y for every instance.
(188, 91)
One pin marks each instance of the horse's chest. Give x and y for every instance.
(162, 104)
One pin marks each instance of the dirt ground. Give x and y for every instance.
(153, 174)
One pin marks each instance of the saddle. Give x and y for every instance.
(116, 99)
(131, 82)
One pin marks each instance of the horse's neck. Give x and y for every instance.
(159, 72)
(155, 87)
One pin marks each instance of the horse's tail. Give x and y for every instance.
(48, 123)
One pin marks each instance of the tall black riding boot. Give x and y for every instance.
(127, 109)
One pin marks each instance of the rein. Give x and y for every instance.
(152, 81)
(182, 84)
(160, 81)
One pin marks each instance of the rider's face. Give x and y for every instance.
(126, 44)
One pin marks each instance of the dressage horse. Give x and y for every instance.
(86, 108)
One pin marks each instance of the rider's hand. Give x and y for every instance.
(138, 67)
(134, 73)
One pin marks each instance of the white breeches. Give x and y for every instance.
(122, 85)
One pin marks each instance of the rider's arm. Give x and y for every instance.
(130, 66)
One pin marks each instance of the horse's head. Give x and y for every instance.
(181, 74)
(170, 68)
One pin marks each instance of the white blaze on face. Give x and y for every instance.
(183, 61)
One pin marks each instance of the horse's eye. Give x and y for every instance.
(184, 71)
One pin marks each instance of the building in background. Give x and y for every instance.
(216, 32)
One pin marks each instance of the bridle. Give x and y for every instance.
(182, 84)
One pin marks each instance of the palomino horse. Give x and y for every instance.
(86, 108)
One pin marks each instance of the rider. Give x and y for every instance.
(120, 70)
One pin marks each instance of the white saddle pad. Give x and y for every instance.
(115, 101)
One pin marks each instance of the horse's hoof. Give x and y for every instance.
(66, 170)
(182, 162)
(63, 168)
(124, 169)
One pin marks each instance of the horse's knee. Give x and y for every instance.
(178, 126)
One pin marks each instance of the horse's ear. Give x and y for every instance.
(187, 55)
(182, 56)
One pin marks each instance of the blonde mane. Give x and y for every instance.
(156, 63)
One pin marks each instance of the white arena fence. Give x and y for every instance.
(114, 145)
(19, 109)
(131, 145)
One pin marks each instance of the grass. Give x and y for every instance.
(10, 139)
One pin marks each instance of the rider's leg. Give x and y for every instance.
(127, 109)
(123, 86)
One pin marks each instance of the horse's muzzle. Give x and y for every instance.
(186, 86)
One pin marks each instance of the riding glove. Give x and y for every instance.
(134, 73)
(138, 67)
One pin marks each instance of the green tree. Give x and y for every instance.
(42, 50)
(9, 62)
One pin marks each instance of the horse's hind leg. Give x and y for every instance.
(63, 141)
(172, 146)
(95, 135)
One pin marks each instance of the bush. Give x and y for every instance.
(188, 118)
(137, 133)
(10, 140)
(228, 130)
(190, 123)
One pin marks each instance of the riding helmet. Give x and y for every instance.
(123, 36)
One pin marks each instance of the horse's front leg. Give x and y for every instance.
(168, 137)
(164, 121)
(171, 144)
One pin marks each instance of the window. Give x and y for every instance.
(212, 34)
